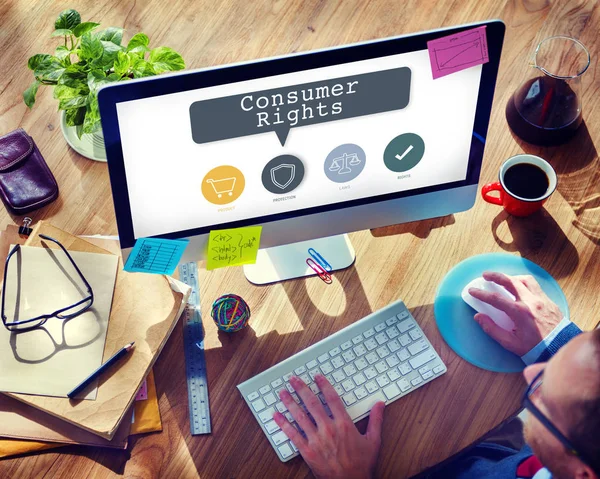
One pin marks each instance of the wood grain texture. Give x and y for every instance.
(406, 261)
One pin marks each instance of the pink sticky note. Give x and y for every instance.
(457, 52)
(142, 394)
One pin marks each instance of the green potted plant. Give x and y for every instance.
(85, 60)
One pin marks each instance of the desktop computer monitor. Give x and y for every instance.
(309, 145)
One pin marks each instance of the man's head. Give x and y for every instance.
(569, 396)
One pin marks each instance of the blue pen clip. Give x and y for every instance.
(319, 259)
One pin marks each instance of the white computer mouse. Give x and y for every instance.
(499, 317)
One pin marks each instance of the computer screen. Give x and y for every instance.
(280, 139)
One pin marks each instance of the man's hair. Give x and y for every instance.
(585, 431)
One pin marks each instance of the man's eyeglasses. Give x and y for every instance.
(67, 312)
(533, 409)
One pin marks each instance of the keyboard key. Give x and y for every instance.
(350, 370)
(361, 393)
(416, 381)
(381, 338)
(383, 381)
(311, 365)
(270, 399)
(295, 449)
(361, 364)
(365, 405)
(281, 407)
(279, 438)
(403, 384)
(392, 361)
(380, 327)
(339, 389)
(348, 356)
(326, 368)
(370, 372)
(258, 405)
(422, 359)
(322, 358)
(405, 369)
(404, 339)
(368, 333)
(272, 427)
(349, 399)
(266, 415)
(427, 375)
(416, 334)
(372, 358)
(300, 370)
(393, 320)
(287, 376)
(253, 396)
(306, 378)
(403, 355)
(391, 391)
(314, 388)
(338, 376)
(381, 367)
(265, 389)
(392, 333)
(347, 345)
(360, 350)
(335, 352)
(393, 374)
(329, 378)
(296, 398)
(371, 387)
(312, 373)
(348, 385)
(289, 387)
(285, 451)
(337, 362)
(394, 345)
(371, 344)
(438, 369)
(383, 351)
(424, 369)
(417, 347)
(278, 382)
(359, 379)
(277, 391)
(357, 339)
(405, 325)
(289, 417)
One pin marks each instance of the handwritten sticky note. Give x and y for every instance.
(457, 52)
(233, 247)
(142, 394)
(155, 255)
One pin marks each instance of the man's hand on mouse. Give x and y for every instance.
(533, 313)
(332, 447)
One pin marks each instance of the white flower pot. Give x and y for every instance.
(89, 145)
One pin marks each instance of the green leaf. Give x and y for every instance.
(113, 77)
(122, 63)
(29, 94)
(110, 54)
(91, 123)
(75, 116)
(35, 60)
(164, 59)
(61, 32)
(75, 102)
(67, 19)
(142, 68)
(139, 39)
(111, 34)
(62, 52)
(64, 92)
(95, 79)
(91, 47)
(74, 77)
(50, 69)
(84, 28)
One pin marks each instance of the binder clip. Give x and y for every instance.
(25, 230)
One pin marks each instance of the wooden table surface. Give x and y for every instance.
(437, 420)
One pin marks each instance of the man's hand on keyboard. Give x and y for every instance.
(533, 313)
(331, 446)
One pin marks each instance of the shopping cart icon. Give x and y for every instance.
(222, 186)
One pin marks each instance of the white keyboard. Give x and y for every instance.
(381, 357)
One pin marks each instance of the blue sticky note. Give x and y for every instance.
(155, 255)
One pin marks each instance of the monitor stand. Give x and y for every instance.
(289, 261)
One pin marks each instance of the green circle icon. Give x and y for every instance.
(404, 152)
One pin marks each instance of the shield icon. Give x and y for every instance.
(283, 175)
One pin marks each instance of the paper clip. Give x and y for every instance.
(317, 268)
(319, 259)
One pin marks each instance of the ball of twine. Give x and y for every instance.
(230, 313)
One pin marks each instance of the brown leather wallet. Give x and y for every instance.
(26, 182)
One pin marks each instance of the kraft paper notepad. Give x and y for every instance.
(54, 358)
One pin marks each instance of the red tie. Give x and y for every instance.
(529, 467)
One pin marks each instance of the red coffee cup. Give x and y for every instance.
(527, 195)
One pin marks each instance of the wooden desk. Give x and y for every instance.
(405, 262)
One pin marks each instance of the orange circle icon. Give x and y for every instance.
(223, 184)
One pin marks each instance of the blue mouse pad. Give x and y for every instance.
(454, 317)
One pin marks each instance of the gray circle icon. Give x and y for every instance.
(404, 152)
(345, 162)
(283, 174)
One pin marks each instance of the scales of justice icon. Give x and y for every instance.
(342, 164)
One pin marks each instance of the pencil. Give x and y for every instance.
(118, 355)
